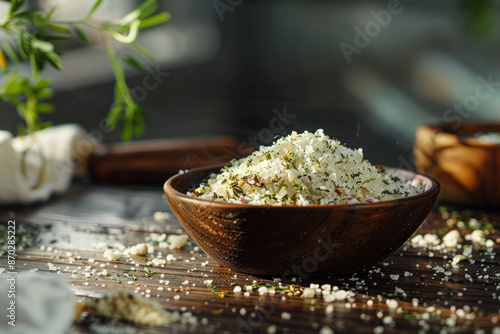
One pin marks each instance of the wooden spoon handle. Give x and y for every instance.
(152, 162)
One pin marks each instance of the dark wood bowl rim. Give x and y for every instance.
(445, 129)
(433, 189)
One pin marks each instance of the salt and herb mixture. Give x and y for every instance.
(305, 169)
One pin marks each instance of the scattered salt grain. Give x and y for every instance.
(308, 293)
(325, 330)
(177, 241)
(427, 240)
(329, 298)
(340, 295)
(171, 257)
(139, 249)
(452, 238)
(112, 254)
(262, 290)
(457, 259)
(450, 322)
(160, 216)
(271, 329)
(286, 316)
(392, 303)
(477, 236)
(158, 262)
(387, 320)
(130, 306)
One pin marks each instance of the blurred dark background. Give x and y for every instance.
(257, 69)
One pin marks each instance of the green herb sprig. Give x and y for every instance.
(32, 35)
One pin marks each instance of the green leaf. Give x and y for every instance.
(94, 7)
(146, 4)
(129, 18)
(24, 44)
(57, 27)
(45, 93)
(147, 8)
(133, 62)
(114, 114)
(55, 60)
(138, 122)
(155, 20)
(45, 107)
(42, 45)
(42, 84)
(44, 125)
(39, 20)
(143, 51)
(9, 51)
(51, 13)
(143, 11)
(47, 37)
(21, 110)
(14, 85)
(14, 101)
(127, 129)
(36, 65)
(21, 130)
(15, 5)
(28, 14)
(148, 12)
(40, 58)
(82, 35)
(131, 36)
(116, 110)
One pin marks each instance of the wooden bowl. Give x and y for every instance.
(467, 169)
(297, 241)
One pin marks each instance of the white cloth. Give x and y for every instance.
(43, 304)
(47, 166)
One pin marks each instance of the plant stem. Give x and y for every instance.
(117, 70)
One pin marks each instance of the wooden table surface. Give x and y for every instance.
(72, 225)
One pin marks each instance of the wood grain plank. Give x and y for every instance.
(90, 214)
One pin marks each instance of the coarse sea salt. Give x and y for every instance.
(452, 238)
(158, 262)
(308, 293)
(112, 254)
(177, 241)
(392, 303)
(305, 169)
